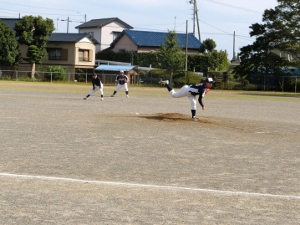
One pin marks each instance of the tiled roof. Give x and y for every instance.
(98, 23)
(10, 22)
(157, 39)
(70, 37)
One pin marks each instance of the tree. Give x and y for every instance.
(34, 32)
(283, 26)
(280, 30)
(208, 45)
(8, 46)
(170, 54)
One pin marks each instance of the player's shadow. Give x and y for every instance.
(167, 117)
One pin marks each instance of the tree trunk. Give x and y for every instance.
(171, 79)
(32, 70)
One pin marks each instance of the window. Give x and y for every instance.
(54, 53)
(83, 55)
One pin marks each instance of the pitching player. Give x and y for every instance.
(191, 91)
(121, 81)
(97, 85)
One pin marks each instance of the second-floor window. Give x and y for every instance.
(84, 55)
(54, 54)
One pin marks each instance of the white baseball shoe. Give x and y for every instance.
(194, 118)
(85, 98)
(163, 82)
(101, 99)
(127, 96)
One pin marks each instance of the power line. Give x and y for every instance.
(38, 7)
(236, 7)
(38, 13)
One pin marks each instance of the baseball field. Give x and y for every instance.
(142, 160)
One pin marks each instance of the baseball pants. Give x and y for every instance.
(96, 88)
(185, 92)
(122, 85)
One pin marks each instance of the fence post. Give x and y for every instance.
(17, 75)
(296, 85)
(282, 82)
(51, 77)
(85, 77)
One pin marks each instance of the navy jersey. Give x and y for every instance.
(96, 82)
(121, 79)
(198, 89)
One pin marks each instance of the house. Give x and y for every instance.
(105, 31)
(74, 50)
(147, 41)
(71, 50)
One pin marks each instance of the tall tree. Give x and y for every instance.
(34, 32)
(8, 46)
(170, 54)
(279, 31)
(283, 26)
(208, 45)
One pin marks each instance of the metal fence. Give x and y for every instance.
(254, 82)
(18, 75)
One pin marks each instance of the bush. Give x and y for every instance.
(180, 79)
(57, 72)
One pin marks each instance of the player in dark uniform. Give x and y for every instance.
(191, 91)
(121, 81)
(97, 85)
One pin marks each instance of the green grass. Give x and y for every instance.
(137, 90)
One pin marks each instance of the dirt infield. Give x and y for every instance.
(141, 160)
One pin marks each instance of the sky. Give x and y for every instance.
(218, 19)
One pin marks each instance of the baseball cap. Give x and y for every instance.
(209, 80)
(121, 71)
(94, 74)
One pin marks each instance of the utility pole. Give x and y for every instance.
(68, 21)
(233, 58)
(186, 50)
(195, 17)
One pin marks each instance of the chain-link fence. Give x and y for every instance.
(18, 75)
(286, 83)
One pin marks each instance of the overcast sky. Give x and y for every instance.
(218, 19)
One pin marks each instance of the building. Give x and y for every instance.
(148, 41)
(105, 30)
(71, 50)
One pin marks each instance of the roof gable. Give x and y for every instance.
(157, 39)
(99, 23)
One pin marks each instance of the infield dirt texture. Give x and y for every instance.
(141, 160)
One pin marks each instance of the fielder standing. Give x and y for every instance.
(97, 85)
(191, 91)
(121, 81)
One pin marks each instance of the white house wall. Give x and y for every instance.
(107, 36)
(96, 33)
(104, 35)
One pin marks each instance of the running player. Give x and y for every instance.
(191, 91)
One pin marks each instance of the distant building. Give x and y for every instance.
(72, 50)
(147, 41)
(105, 31)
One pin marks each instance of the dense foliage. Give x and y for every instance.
(34, 32)
(277, 45)
(9, 52)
